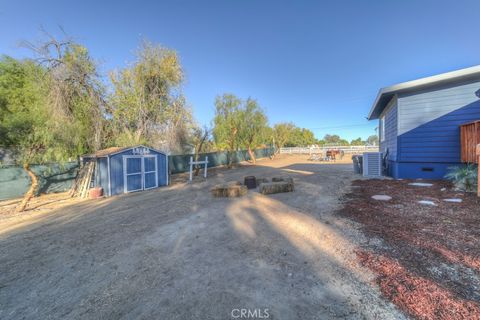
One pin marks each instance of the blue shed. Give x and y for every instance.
(419, 122)
(123, 170)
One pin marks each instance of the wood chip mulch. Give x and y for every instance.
(428, 262)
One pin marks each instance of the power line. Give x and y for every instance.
(342, 127)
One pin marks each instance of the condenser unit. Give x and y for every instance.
(372, 164)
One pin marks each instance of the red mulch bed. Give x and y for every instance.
(428, 263)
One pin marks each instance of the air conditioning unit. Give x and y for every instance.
(372, 164)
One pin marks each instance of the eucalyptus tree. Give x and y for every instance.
(76, 94)
(147, 104)
(282, 132)
(28, 124)
(253, 128)
(199, 139)
(53, 105)
(227, 124)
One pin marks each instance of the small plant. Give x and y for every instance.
(464, 178)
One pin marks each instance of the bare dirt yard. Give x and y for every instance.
(426, 256)
(178, 253)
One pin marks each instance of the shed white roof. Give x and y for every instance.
(386, 94)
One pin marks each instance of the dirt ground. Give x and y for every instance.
(426, 257)
(178, 253)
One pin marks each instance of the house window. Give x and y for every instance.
(382, 128)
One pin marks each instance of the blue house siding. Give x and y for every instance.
(428, 128)
(389, 143)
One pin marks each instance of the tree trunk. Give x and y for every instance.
(198, 150)
(252, 155)
(31, 192)
(229, 159)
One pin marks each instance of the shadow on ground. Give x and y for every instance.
(178, 253)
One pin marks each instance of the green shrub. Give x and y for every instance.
(464, 177)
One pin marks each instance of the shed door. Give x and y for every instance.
(140, 173)
(150, 172)
(133, 173)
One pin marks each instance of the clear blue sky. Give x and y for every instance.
(316, 63)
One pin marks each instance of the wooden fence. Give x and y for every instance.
(470, 138)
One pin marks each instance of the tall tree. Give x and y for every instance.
(148, 106)
(253, 127)
(300, 137)
(28, 121)
(200, 142)
(357, 142)
(373, 140)
(54, 105)
(227, 124)
(332, 139)
(76, 94)
(281, 133)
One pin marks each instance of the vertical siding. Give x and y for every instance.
(116, 170)
(162, 169)
(390, 142)
(429, 120)
(102, 174)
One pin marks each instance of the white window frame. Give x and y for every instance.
(125, 175)
(154, 171)
(382, 128)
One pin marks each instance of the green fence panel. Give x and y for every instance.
(14, 181)
(180, 163)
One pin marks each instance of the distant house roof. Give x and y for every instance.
(385, 94)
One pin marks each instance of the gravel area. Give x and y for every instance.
(178, 253)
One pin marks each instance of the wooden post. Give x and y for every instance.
(197, 163)
(206, 165)
(191, 168)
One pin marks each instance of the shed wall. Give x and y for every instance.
(116, 170)
(102, 174)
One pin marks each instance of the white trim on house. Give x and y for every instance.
(154, 171)
(139, 146)
(382, 128)
(125, 174)
(384, 95)
(166, 167)
(109, 178)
